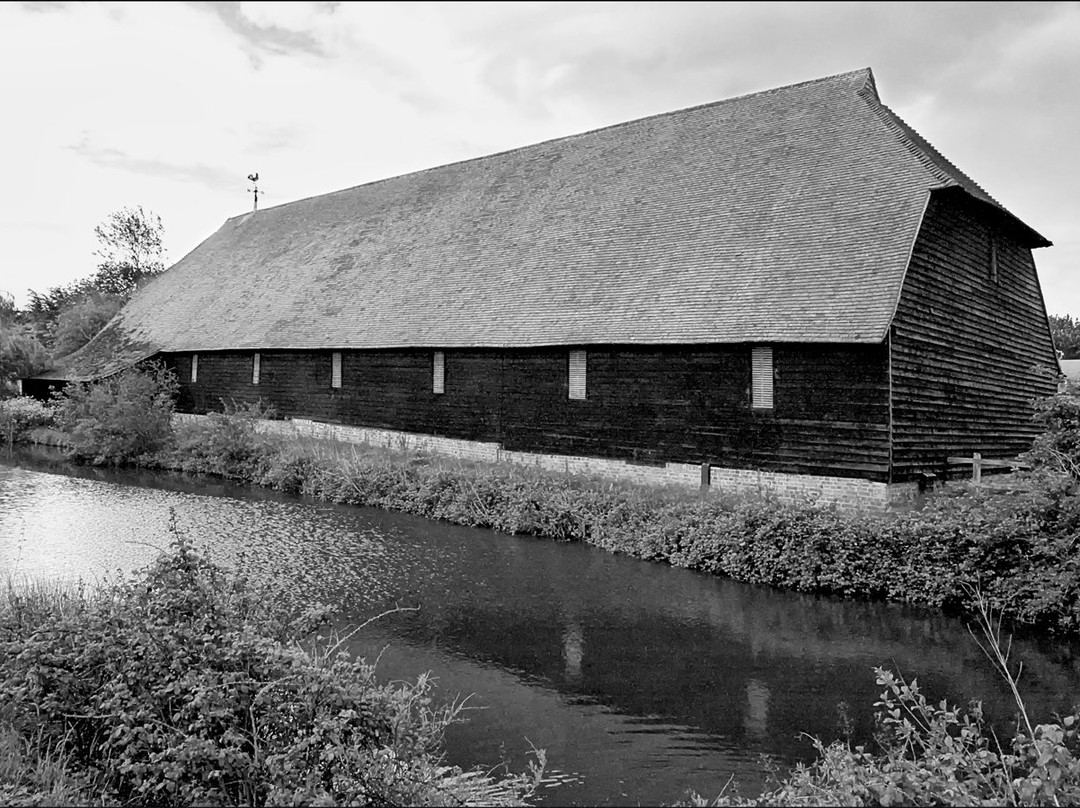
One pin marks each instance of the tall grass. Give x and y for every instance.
(36, 770)
(32, 773)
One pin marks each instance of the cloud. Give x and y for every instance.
(209, 176)
(172, 105)
(43, 6)
(260, 33)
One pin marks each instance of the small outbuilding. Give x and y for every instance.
(790, 290)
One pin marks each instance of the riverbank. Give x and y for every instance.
(1013, 543)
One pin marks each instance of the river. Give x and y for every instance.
(639, 680)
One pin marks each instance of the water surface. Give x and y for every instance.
(640, 680)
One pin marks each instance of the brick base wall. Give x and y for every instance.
(846, 493)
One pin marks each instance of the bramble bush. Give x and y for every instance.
(1057, 448)
(19, 415)
(931, 754)
(188, 685)
(225, 443)
(120, 418)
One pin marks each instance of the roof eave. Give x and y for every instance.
(1032, 238)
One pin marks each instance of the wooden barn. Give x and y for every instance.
(791, 290)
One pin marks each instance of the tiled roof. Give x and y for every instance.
(111, 351)
(786, 215)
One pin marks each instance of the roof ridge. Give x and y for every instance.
(938, 164)
(770, 91)
(925, 152)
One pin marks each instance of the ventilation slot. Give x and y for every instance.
(577, 375)
(762, 372)
(335, 369)
(438, 373)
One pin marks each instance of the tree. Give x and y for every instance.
(1066, 333)
(45, 308)
(65, 318)
(21, 354)
(131, 250)
(78, 323)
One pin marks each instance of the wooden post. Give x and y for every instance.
(976, 468)
(706, 476)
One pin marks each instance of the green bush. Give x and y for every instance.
(186, 686)
(21, 354)
(21, 414)
(937, 754)
(1058, 446)
(931, 754)
(120, 418)
(224, 443)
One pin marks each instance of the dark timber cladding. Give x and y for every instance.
(686, 404)
(970, 341)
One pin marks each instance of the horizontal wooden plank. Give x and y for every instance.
(964, 346)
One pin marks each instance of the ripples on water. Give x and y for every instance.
(639, 680)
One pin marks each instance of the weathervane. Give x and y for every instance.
(254, 181)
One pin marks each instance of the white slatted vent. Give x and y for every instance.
(762, 378)
(993, 259)
(577, 375)
(438, 373)
(255, 363)
(335, 369)
(194, 368)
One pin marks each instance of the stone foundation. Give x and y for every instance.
(847, 493)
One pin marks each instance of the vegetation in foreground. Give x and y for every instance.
(185, 686)
(182, 687)
(937, 754)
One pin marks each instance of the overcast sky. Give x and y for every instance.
(171, 105)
